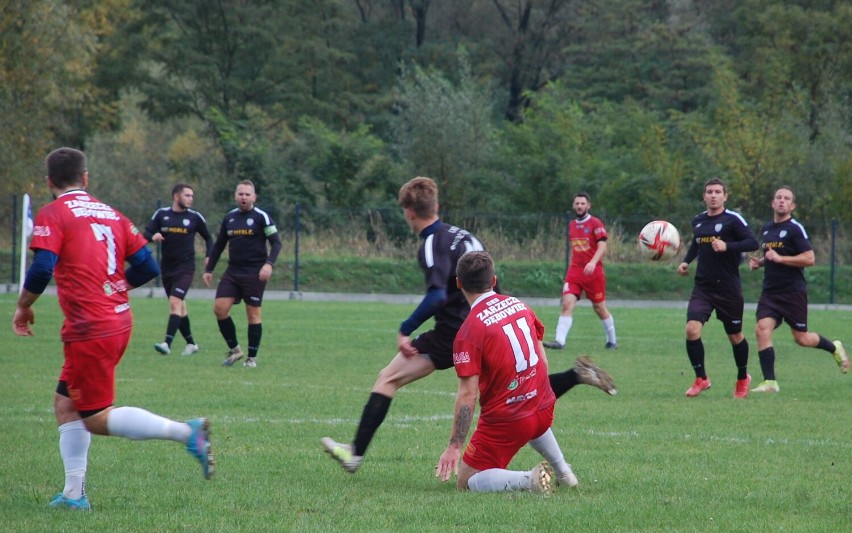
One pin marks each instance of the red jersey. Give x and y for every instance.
(92, 240)
(584, 235)
(499, 342)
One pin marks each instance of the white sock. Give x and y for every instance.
(499, 480)
(139, 424)
(547, 446)
(563, 327)
(74, 441)
(609, 329)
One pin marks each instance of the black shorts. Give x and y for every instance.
(246, 287)
(437, 345)
(177, 284)
(791, 307)
(728, 307)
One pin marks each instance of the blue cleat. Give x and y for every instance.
(199, 447)
(60, 501)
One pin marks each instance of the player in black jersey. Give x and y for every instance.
(786, 252)
(720, 237)
(175, 228)
(246, 231)
(442, 245)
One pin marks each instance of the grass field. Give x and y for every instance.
(648, 459)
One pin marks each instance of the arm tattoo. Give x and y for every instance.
(463, 420)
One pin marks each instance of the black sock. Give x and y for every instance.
(255, 331)
(767, 362)
(185, 330)
(741, 359)
(228, 331)
(695, 351)
(825, 344)
(171, 328)
(372, 417)
(563, 382)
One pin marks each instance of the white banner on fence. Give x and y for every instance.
(26, 231)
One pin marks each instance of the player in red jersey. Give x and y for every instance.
(587, 236)
(83, 243)
(498, 356)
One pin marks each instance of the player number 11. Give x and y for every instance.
(521, 362)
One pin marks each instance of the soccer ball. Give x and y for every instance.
(659, 240)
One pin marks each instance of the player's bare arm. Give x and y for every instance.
(24, 315)
(462, 419)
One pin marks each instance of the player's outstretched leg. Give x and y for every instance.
(589, 373)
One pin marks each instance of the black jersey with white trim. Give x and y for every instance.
(178, 229)
(787, 238)
(246, 233)
(719, 270)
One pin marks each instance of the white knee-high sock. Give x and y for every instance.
(139, 424)
(547, 446)
(499, 480)
(609, 329)
(74, 441)
(563, 327)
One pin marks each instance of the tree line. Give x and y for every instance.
(511, 105)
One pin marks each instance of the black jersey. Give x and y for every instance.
(443, 245)
(719, 270)
(246, 233)
(178, 229)
(787, 238)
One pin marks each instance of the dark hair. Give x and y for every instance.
(475, 271)
(421, 195)
(583, 195)
(65, 167)
(179, 187)
(716, 181)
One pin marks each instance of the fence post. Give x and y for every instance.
(14, 278)
(296, 231)
(833, 260)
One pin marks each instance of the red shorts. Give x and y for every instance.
(493, 445)
(576, 282)
(89, 370)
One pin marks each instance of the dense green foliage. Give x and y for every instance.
(512, 105)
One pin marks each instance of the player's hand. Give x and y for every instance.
(719, 245)
(207, 277)
(753, 263)
(772, 255)
(683, 269)
(157, 237)
(265, 272)
(403, 343)
(589, 269)
(21, 322)
(448, 464)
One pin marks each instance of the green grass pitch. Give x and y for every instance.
(648, 459)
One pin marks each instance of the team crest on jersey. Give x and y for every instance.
(41, 231)
(250, 222)
(134, 230)
(783, 233)
(513, 385)
(186, 222)
(718, 227)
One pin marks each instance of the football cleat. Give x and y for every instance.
(553, 345)
(589, 373)
(568, 479)
(700, 385)
(841, 357)
(199, 446)
(60, 501)
(234, 355)
(190, 349)
(342, 453)
(741, 388)
(163, 348)
(768, 385)
(542, 479)
(611, 346)
(250, 363)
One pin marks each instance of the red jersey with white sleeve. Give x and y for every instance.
(584, 235)
(499, 342)
(92, 240)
